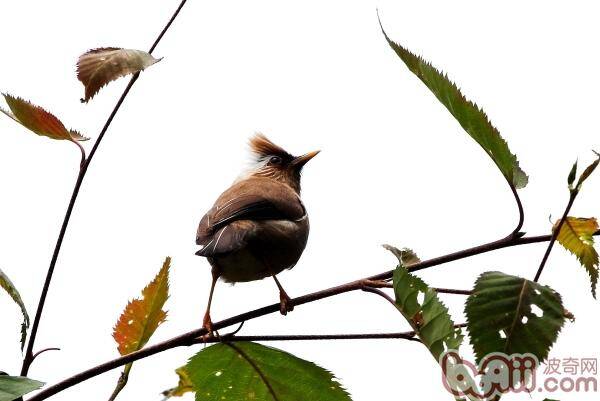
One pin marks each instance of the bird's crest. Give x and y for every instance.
(262, 147)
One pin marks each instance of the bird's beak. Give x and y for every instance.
(300, 161)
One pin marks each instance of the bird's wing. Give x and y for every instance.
(247, 201)
(227, 239)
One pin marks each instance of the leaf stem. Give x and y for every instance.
(555, 233)
(516, 231)
(28, 358)
(190, 338)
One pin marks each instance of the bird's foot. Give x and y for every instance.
(285, 303)
(208, 325)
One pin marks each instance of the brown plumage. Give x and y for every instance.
(258, 227)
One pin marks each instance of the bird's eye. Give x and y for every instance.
(275, 160)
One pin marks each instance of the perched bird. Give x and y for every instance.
(258, 227)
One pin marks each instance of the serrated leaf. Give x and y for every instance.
(512, 315)
(577, 236)
(405, 256)
(13, 387)
(184, 386)
(427, 315)
(140, 319)
(98, 67)
(38, 120)
(470, 116)
(250, 371)
(10, 288)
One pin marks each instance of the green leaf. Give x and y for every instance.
(14, 294)
(429, 318)
(250, 371)
(13, 387)
(512, 315)
(577, 236)
(467, 113)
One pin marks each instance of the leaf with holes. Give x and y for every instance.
(10, 288)
(38, 120)
(13, 387)
(141, 318)
(513, 315)
(184, 386)
(473, 120)
(98, 67)
(250, 371)
(577, 236)
(427, 315)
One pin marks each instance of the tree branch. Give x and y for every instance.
(406, 335)
(555, 233)
(29, 356)
(192, 337)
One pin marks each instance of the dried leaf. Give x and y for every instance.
(405, 256)
(577, 236)
(38, 120)
(141, 317)
(98, 67)
(14, 294)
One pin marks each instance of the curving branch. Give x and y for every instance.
(85, 163)
(194, 336)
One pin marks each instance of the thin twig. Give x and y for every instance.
(452, 291)
(28, 358)
(190, 337)
(387, 284)
(555, 233)
(45, 350)
(407, 335)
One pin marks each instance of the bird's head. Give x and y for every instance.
(274, 162)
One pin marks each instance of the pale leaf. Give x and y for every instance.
(98, 67)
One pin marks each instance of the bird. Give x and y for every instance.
(259, 226)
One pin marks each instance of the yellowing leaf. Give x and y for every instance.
(38, 120)
(141, 317)
(184, 386)
(577, 236)
(98, 67)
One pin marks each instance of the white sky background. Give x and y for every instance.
(395, 168)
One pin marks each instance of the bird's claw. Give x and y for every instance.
(210, 331)
(285, 304)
